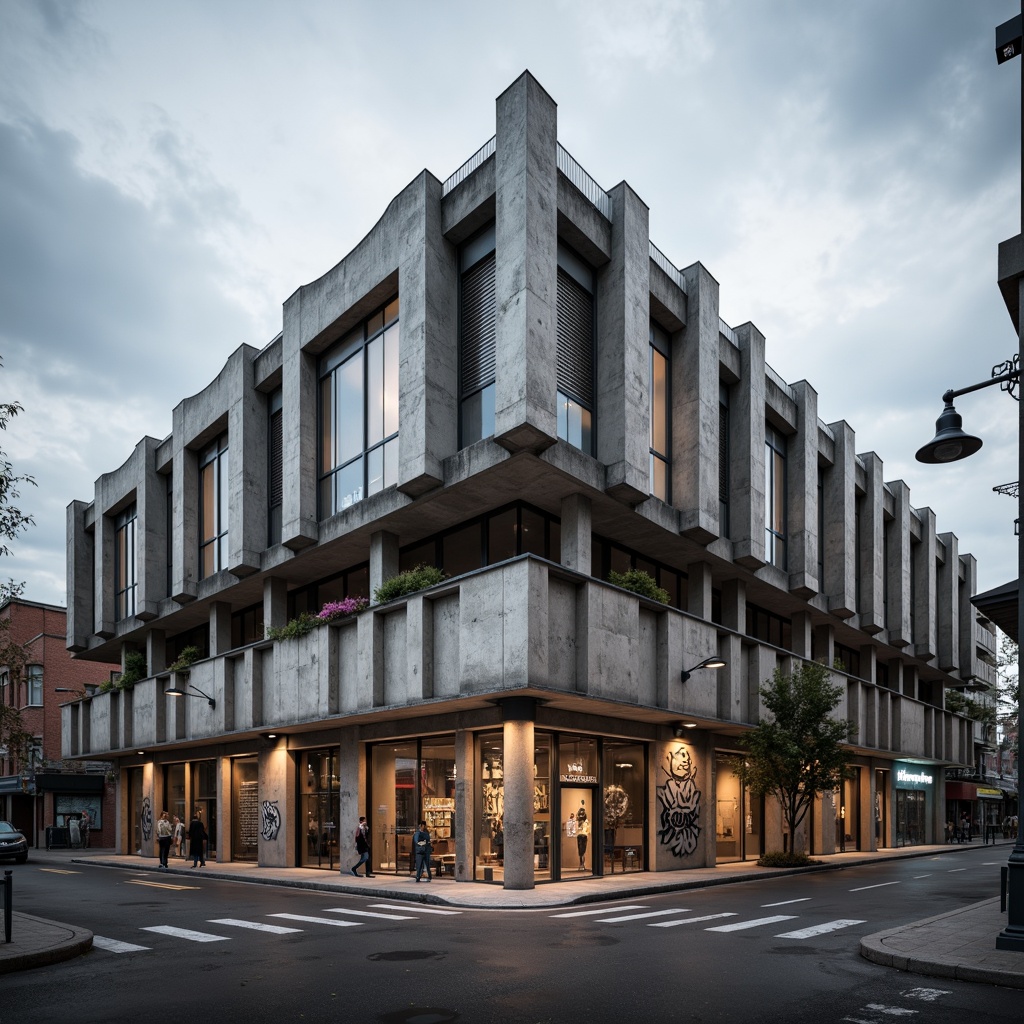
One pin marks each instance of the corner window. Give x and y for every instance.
(213, 508)
(359, 413)
(661, 405)
(34, 682)
(575, 354)
(775, 498)
(125, 569)
(476, 338)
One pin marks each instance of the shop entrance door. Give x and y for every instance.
(577, 831)
(320, 802)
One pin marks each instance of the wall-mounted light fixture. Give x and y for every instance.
(680, 730)
(713, 662)
(183, 691)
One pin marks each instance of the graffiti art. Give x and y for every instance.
(679, 799)
(146, 819)
(271, 820)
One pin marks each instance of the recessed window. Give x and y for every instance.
(125, 569)
(34, 682)
(575, 353)
(476, 338)
(213, 508)
(775, 498)
(275, 467)
(661, 428)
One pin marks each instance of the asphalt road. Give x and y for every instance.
(782, 949)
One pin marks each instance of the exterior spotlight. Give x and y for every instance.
(950, 443)
(680, 730)
(179, 691)
(713, 662)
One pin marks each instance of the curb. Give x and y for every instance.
(79, 941)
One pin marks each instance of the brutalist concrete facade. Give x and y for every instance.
(528, 646)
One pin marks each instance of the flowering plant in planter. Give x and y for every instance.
(341, 609)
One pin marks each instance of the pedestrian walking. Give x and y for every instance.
(424, 851)
(164, 836)
(362, 847)
(84, 824)
(197, 840)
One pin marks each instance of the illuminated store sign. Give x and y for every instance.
(913, 777)
(575, 771)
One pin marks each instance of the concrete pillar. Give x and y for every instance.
(156, 651)
(623, 356)
(151, 529)
(698, 589)
(517, 765)
(747, 456)
(351, 787)
(80, 576)
(383, 558)
(868, 841)
(277, 789)
(802, 632)
(948, 605)
(576, 532)
(220, 628)
(185, 513)
(299, 403)
(968, 614)
(465, 788)
(225, 807)
(247, 472)
(925, 579)
(802, 494)
(897, 550)
(695, 414)
(840, 496)
(872, 547)
(275, 602)
(104, 623)
(526, 254)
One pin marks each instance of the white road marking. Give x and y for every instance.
(741, 925)
(368, 913)
(603, 910)
(892, 1011)
(639, 917)
(928, 995)
(185, 933)
(819, 929)
(116, 946)
(688, 920)
(256, 926)
(419, 910)
(929, 875)
(953, 871)
(319, 920)
(881, 885)
(991, 863)
(785, 903)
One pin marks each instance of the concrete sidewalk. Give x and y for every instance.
(960, 944)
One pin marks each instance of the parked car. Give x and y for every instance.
(13, 843)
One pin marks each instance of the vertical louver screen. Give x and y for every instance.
(723, 454)
(478, 326)
(575, 340)
(275, 489)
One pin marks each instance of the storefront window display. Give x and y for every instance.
(913, 793)
(174, 788)
(245, 817)
(204, 800)
(142, 813)
(624, 800)
(68, 806)
(319, 802)
(847, 804)
(578, 792)
(738, 814)
(881, 809)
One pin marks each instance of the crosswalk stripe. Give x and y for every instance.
(880, 885)
(256, 926)
(603, 910)
(185, 933)
(60, 871)
(419, 910)
(368, 913)
(116, 946)
(640, 917)
(688, 920)
(785, 903)
(741, 925)
(319, 920)
(818, 929)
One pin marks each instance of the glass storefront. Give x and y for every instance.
(913, 795)
(142, 812)
(847, 805)
(578, 781)
(204, 800)
(881, 809)
(738, 815)
(245, 819)
(319, 803)
(624, 795)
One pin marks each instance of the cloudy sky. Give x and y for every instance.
(170, 173)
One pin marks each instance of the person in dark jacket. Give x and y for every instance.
(424, 849)
(197, 840)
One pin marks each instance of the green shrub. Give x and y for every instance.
(408, 582)
(185, 660)
(778, 859)
(639, 582)
(106, 686)
(300, 626)
(134, 670)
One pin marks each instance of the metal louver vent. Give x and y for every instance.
(575, 330)
(276, 488)
(478, 326)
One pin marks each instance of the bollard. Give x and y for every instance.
(8, 889)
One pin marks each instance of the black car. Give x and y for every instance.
(13, 843)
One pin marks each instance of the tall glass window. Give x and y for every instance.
(125, 572)
(775, 497)
(661, 404)
(575, 354)
(359, 412)
(624, 798)
(323, 846)
(213, 506)
(34, 680)
(275, 468)
(476, 337)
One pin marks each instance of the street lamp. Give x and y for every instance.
(183, 691)
(713, 662)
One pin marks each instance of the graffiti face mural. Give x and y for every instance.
(679, 803)
(271, 820)
(147, 819)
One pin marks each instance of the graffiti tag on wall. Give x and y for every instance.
(146, 819)
(679, 802)
(271, 820)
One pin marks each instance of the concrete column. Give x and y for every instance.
(948, 602)
(872, 547)
(224, 808)
(695, 415)
(840, 496)
(897, 550)
(802, 494)
(428, 374)
(80, 576)
(824, 644)
(576, 532)
(220, 628)
(104, 624)
(465, 788)
(968, 615)
(867, 808)
(247, 473)
(185, 525)
(383, 558)
(275, 601)
(925, 579)
(746, 456)
(517, 765)
(698, 589)
(802, 633)
(299, 402)
(623, 357)
(151, 529)
(351, 787)
(156, 651)
(526, 254)
(277, 788)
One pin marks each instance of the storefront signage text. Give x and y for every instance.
(575, 771)
(904, 776)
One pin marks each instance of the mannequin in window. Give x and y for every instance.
(582, 834)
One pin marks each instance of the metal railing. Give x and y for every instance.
(780, 383)
(725, 329)
(590, 189)
(663, 261)
(483, 153)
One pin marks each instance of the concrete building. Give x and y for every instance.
(508, 380)
(37, 674)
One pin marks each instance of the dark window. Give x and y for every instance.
(125, 564)
(213, 508)
(769, 628)
(575, 352)
(775, 498)
(476, 330)
(723, 459)
(661, 405)
(247, 625)
(275, 469)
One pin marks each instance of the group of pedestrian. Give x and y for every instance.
(1010, 826)
(959, 832)
(168, 833)
(421, 843)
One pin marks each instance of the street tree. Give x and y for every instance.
(796, 751)
(1008, 691)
